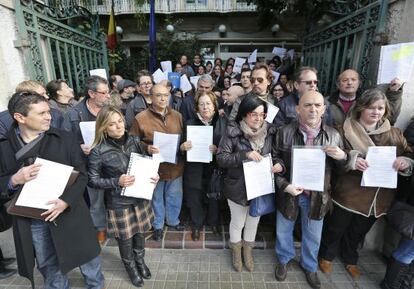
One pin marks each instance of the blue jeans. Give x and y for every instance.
(311, 237)
(97, 208)
(46, 258)
(48, 265)
(166, 202)
(405, 251)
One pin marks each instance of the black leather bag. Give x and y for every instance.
(216, 184)
(401, 218)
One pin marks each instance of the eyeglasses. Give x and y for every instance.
(261, 115)
(259, 79)
(145, 84)
(310, 82)
(103, 92)
(161, 95)
(278, 89)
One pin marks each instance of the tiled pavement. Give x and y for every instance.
(209, 269)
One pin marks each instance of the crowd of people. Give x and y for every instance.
(44, 121)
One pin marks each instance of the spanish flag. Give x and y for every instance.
(112, 30)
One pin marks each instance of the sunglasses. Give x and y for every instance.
(310, 82)
(259, 79)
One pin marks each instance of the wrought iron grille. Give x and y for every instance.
(347, 43)
(55, 50)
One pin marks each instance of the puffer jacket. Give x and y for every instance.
(287, 137)
(231, 153)
(107, 162)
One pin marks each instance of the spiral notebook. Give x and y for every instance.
(143, 168)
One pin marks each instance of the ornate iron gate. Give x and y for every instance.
(351, 42)
(54, 50)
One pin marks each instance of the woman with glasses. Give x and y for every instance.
(127, 218)
(278, 92)
(197, 175)
(357, 207)
(249, 137)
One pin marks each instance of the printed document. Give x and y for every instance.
(258, 177)
(88, 131)
(271, 112)
(201, 138)
(49, 185)
(168, 146)
(308, 168)
(396, 60)
(380, 172)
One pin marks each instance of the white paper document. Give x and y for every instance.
(396, 60)
(166, 66)
(194, 80)
(275, 76)
(308, 168)
(99, 72)
(88, 131)
(279, 51)
(168, 146)
(380, 172)
(258, 177)
(159, 76)
(143, 168)
(291, 53)
(185, 85)
(201, 138)
(238, 63)
(252, 57)
(271, 112)
(49, 185)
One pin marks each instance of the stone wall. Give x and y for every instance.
(11, 59)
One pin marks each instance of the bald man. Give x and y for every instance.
(307, 130)
(348, 84)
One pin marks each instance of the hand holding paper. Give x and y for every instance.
(25, 174)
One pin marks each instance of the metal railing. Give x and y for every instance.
(168, 6)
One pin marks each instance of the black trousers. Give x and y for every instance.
(196, 202)
(343, 231)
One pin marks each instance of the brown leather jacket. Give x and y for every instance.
(287, 137)
(148, 121)
(347, 191)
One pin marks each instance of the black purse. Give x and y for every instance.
(216, 184)
(401, 217)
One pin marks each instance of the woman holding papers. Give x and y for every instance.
(198, 172)
(128, 218)
(357, 207)
(248, 138)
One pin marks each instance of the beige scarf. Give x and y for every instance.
(359, 138)
(256, 138)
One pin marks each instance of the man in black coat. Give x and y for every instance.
(65, 237)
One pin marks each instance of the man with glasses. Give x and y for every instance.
(348, 85)
(260, 80)
(168, 194)
(97, 96)
(306, 79)
(142, 99)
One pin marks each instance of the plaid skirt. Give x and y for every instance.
(125, 223)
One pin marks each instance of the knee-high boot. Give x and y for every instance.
(127, 256)
(139, 252)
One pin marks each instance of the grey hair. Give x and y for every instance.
(206, 78)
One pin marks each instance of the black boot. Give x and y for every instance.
(5, 272)
(395, 274)
(139, 252)
(127, 256)
(408, 278)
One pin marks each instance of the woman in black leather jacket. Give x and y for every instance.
(128, 218)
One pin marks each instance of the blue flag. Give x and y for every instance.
(152, 38)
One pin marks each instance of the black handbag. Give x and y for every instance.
(216, 184)
(401, 217)
(262, 205)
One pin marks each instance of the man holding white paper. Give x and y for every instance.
(85, 112)
(65, 238)
(307, 131)
(168, 194)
